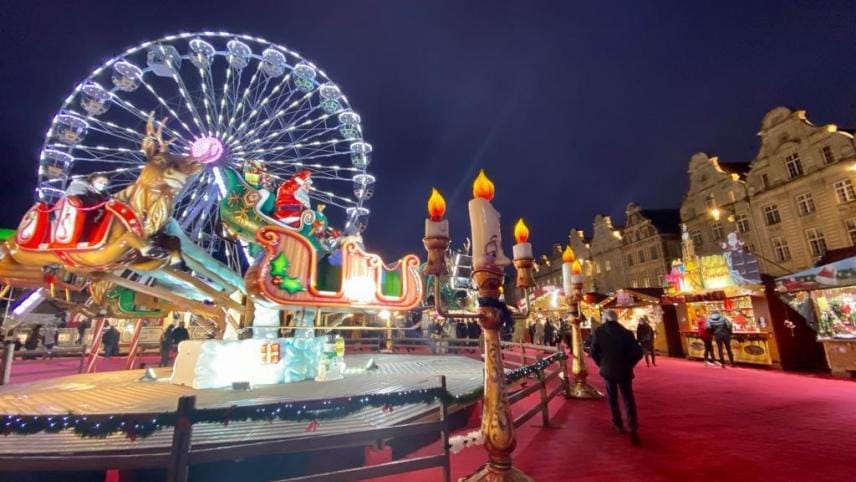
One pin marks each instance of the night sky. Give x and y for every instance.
(573, 108)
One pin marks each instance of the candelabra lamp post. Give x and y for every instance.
(488, 265)
(572, 278)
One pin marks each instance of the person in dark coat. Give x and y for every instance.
(33, 339)
(461, 329)
(616, 352)
(721, 328)
(166, 346)
(110, 339)
(179, 334)
(549, 333)
(81, 330)
(645, 337)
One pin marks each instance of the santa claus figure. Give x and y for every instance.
(292, 198)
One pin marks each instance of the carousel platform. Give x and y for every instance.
(122, 392)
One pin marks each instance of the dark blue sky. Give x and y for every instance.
(573, 108)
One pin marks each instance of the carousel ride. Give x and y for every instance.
(207, 171)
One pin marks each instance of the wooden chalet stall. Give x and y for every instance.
(825, 299)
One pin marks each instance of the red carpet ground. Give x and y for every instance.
(697, 424)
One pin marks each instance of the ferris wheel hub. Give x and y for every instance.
(207, 149)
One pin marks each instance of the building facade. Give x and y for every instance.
(717, 203)
(606, 256)
(791, 204)
(650, 241)
(801, 186)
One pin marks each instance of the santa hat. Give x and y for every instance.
(303, 177)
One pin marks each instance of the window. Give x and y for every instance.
(732, 196)
(805, 203)
(742, 222)
(844, 191)
(645, 283)
(634, 284)
(608, 265)
(655, 252)
(765, 181)
(816, 243)
(597, 268)
(698, 240)
(716, 229)
(710, 202)
(780, 246)
(851, 230)
(629, 260)
(771, 215)
(828, 156)
(641, 256)
(794, 165)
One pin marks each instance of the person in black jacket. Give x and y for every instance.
(645, 337)
(180, 334)
(616, 352)
(110, 340)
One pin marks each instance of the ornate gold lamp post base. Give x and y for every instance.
(497, 422)
(488, 474)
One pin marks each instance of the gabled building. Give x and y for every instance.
(717, 203)
(651, 240)
(606, 256)
(801, 185)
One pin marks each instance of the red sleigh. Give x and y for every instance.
(70, 226)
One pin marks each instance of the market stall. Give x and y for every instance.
(825, 297)
(632, 305)
(728, 283)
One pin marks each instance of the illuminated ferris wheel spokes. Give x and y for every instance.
(243, 97)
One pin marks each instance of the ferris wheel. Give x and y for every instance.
(239, 98)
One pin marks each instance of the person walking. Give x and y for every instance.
(615, 351)
(166, 346)
(110, 339)
(706, 338)
(645, 337)
(721, 328)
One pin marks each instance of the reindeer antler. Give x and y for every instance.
(154, 136)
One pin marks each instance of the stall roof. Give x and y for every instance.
(831, 275)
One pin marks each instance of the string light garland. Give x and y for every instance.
(141, 425)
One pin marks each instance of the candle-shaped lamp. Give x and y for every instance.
(567, 270)
(572, 277)
(436, 239)
(523, 259)
(484, 225)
